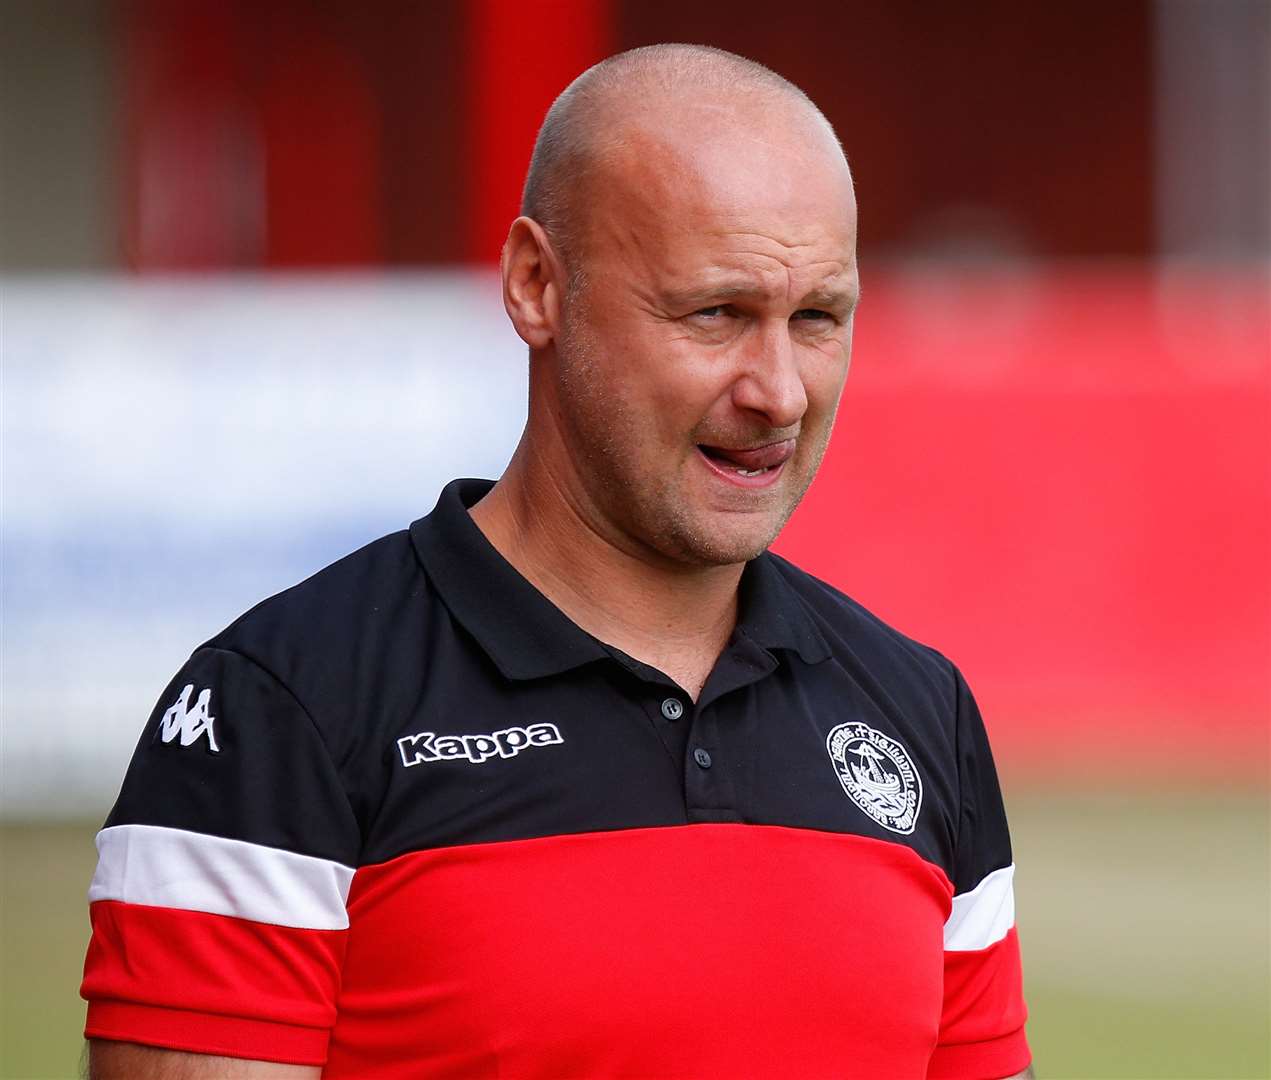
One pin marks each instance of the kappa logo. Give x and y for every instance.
(428, 746)
(190, 723)
(877, 774)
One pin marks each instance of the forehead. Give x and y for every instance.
(721, 187)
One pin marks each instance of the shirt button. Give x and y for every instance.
(702, 757)
(672, 708)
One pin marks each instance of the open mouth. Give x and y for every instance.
(748, 464)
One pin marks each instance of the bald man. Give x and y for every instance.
(573, 778)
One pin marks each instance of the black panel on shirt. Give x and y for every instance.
(984, 843)
(433, 634)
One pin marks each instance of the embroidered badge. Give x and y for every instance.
(188, 722)
(877, 774)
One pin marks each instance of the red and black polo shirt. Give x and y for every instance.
(407, 819)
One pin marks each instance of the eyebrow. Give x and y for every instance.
(702, 296)
(832, 298)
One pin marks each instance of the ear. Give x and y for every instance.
(533, 283)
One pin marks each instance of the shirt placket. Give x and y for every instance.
(715, 746)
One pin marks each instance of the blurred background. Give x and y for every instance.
(249, 322)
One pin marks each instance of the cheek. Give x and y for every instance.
(678, 381)
(824, 392)
(824, 376)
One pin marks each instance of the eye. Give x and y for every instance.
(715, 312)
(814, 314)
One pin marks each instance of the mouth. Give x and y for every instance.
(752, 467)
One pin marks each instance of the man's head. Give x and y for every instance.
(684, 272)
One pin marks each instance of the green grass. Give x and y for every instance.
(43, 934)
(1145, 919)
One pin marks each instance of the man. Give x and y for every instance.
(574, 779)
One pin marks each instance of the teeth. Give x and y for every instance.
(751, 472)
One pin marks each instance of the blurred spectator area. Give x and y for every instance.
(1053, 459)
(213, 134)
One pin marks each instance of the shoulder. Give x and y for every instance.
(859, 639)
(331, 639)
(339, 603)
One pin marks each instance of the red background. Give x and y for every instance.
(1061, 479)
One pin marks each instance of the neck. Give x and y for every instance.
(673, 616)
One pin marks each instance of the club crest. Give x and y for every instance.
(877, 774)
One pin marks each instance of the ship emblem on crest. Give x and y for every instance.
(877, 774)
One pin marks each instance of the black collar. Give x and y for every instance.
(528, 637)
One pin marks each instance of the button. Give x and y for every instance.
(672, 708)
(702, 757)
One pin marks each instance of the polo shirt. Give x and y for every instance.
(407, 819)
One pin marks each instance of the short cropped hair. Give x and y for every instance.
(572, 133)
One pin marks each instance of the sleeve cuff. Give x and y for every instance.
(989, 1060)
(207, 1033)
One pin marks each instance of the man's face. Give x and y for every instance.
(700, 363)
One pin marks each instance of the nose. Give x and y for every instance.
(770, 382)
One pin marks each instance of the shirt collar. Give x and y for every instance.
(528, 637)
(771, 613)
(523, 632)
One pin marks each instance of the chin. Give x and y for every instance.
(733, 556)
(684, 528)
(713, 543)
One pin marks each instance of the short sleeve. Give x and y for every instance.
(983, 1014)
(218, 903)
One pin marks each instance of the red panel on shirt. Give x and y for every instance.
(738, 950)
(724, 950)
